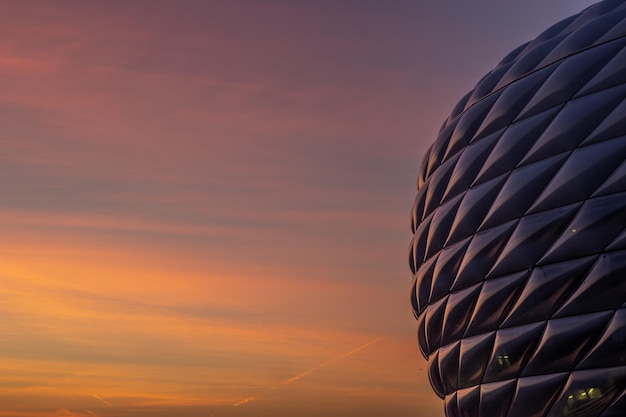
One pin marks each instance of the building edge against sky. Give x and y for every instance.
(519, 242)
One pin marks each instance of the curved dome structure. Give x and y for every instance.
(519, 231)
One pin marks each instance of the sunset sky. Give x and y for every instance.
(204, 205)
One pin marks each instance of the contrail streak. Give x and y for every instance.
(104, 401)
(315, 369)
(330, 362)
(245, 400)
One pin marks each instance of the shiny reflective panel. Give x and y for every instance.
(519, 231)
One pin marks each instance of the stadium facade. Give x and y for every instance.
(519, 241)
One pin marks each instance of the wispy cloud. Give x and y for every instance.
(197, 201)
(64, 412)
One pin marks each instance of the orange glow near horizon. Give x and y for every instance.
(108, 330)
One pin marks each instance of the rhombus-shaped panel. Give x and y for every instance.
(519, 231)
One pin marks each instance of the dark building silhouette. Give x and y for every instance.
(519, 246)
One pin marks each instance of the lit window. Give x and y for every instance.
(580, 398)
(503, 360)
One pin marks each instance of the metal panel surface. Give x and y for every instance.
(519, 231)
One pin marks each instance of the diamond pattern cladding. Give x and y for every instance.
(519, 231)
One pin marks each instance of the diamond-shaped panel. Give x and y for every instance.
(519, 231)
